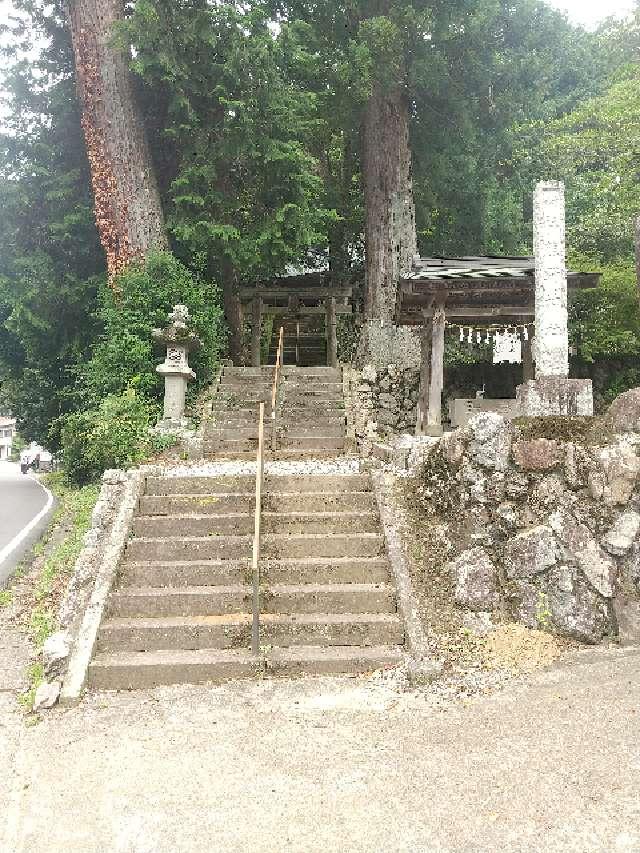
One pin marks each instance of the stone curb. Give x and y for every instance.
(75, 678)
(391, 517)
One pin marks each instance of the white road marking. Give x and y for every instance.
(24, 533)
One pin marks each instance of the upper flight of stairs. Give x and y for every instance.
(310, 413)
(181, 608)
(305, 341)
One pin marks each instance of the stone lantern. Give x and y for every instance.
(179, 342)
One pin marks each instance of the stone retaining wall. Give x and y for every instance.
(545, 530)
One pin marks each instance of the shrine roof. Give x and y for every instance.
(476, 289)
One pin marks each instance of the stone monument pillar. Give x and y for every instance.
(552, 392)
(175, 369)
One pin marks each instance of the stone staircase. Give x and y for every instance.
(232, 429)
(310, 413)
(181, 608)
(305, 341)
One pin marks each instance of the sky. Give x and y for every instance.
(589, 13)
(586, 12)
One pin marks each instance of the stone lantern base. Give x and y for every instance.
(555, 397)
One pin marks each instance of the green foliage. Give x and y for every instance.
(239, 182)
(49, 250)
(605, 322)
(115, 435)
(595, 150)
(124, 356)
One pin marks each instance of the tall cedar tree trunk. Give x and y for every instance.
(390, 227)
(127, 201)
(637, 244)
(233, 313)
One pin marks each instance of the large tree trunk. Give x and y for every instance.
(127, 201)
(233, 313)
(390, 228)
(637, 244)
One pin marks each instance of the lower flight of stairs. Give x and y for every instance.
(181, 609)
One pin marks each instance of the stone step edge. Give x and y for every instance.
(293, 654)
(267, 515)
(266, 537)
(245, 617)
(245, 589)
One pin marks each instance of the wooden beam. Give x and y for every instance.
(332, 338)
(256, 330)
(316, 293)
(436, 383)
(528, 371)
(303, 310)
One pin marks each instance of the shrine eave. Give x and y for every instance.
(475, 291)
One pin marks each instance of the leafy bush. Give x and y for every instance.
(124, 355)
(114, 435)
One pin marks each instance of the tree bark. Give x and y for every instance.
(390, 227)
(233, 314)
(128, 208)
(637, 245)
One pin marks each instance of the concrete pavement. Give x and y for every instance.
(24, 510)
(550, 764)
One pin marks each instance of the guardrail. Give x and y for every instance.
(255, 561)
(274, 389)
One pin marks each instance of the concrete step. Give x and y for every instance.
(215, 600)
(233, 631)
(137, 670)
(215, 504)
(274, 484)
(298, 455)
(221, 432)
(311, 431)
(264, 371)
(329, 374)
(173, 526)
(294, 420)
(228, 445)
(274, 546)
(317, 570)
(336, 660)
(313, 442)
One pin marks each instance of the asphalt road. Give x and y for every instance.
(550, 765)
(23, 502)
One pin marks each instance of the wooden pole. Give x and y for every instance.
(527, 360)
(425, 374)
(436, 384)
(332, 336)
(255, 561)
(256, 330)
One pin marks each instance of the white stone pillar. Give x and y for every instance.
(552, 332)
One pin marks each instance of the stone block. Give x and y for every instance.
(623, 415)
(621, 537)
(531, 552)
(555, 397)
(627, 616)
(580, 548)
(538, 454)
(475, 580)
(490, 444)
(621, 466)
